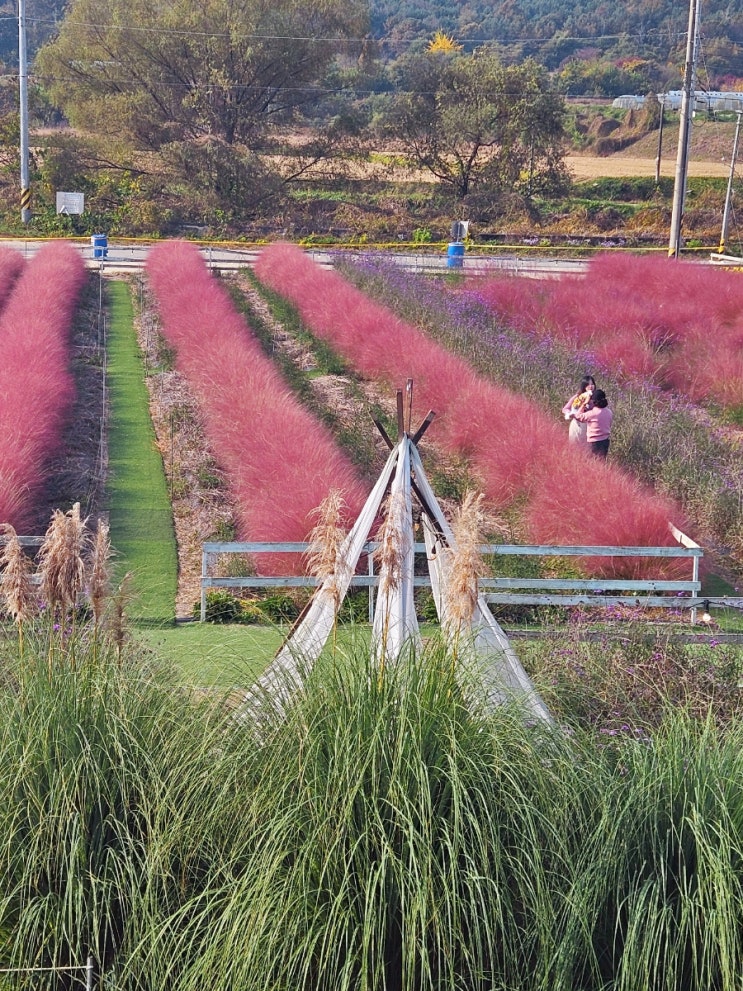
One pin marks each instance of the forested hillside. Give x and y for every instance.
(555, 30)
(551, 31)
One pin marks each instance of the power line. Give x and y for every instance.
(180, 32)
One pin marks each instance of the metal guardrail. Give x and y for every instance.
(650, 592)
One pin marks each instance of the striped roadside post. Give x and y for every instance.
(25, 204)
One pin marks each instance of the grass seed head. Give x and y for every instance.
(323, 554)
(17, 588)
(466, 563)
(391, 544)
(62, 558)
(99, 586)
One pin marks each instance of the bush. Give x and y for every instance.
(221, 607)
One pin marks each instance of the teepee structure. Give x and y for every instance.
(478, 638)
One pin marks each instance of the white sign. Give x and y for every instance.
(70, 202)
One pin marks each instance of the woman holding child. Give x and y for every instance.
(581, 401)
(597, 421)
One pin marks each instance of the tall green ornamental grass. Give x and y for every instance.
(384, 832)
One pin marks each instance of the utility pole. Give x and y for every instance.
(687, 108)
(729, 193)
(23, 99)
(662, 101)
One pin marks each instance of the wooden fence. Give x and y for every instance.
(664, 593)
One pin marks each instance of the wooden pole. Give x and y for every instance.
(687, 109)
(660, 138)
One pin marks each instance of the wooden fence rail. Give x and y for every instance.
(648, 592)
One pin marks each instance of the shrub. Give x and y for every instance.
(384, 831)
(625, 680)
(641, 316)
(12, 264)
(221, 607)
(663, 439)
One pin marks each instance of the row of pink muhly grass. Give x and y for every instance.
(519, 455)
(677, 323)
(11, 266)
(280, 461)
(37, 389)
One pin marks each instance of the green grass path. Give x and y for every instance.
(142, 531)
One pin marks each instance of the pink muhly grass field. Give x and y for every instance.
(36, 386)
(11, 266)
(280, 461)
(677, 323)
(515, 449)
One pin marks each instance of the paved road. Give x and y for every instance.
(124, 255)
(131, 255)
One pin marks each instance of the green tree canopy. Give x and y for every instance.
(473, 122)
(215, 70)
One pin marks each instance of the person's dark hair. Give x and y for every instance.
(585, 382)
(599, 399)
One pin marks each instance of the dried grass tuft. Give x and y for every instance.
(326, 539)
(62, 559)
(17, 588)
(466, 563)
(117, 620)
(99, 586)
(391, 545)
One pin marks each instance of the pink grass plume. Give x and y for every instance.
(515, 451)
(280, 461)
(36, 385)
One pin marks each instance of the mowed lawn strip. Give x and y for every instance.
(143, 535)
(142, 532)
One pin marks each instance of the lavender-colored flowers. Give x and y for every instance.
(661, 436)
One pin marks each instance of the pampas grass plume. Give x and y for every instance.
(62, 559)
(326, 538)
(466, 563)
(99, 585)
(17, 586)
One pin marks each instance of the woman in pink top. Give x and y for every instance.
(598, 424)
(577, 403)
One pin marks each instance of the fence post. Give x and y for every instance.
(89, 971)
(370, 559)
(694, 578)
(204, 568)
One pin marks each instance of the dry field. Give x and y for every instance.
(584, 167)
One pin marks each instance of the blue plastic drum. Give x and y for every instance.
(455, 255)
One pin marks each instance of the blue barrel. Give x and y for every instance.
(100, 245)
(455, 255)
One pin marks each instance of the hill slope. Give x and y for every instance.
(554, 30)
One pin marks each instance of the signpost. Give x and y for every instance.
(70, 203)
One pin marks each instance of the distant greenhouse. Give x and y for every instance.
(710, 100)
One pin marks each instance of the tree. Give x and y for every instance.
(472, 122)
(217, 70)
